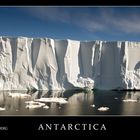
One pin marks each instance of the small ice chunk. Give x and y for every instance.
(92, 105)
(103, 108)
(30, 102)
(2, 109)
(46, 107)
(116, 98)
(130, 100)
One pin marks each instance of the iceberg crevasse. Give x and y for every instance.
(47, 64)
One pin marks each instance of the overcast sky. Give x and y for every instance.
(79, 23)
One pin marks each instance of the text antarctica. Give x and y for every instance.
(78, 126)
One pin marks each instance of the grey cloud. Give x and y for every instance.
(107, 19)
(52, 13)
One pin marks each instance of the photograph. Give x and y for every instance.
(70, 63)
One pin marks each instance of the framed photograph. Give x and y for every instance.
(69, 70)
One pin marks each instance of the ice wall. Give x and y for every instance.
(47, 64)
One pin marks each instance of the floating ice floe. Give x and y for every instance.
(54, 100)
(116, 98)
(130, 100)
(22, 95)
(92, 105)
(2, 109)
(103, 108)
(32, 104)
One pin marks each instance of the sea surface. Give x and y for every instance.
(78, 103)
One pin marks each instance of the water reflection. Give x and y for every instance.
(132, 103)
(78, 103)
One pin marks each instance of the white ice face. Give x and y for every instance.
(47, 64)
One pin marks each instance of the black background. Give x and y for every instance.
(117, 126)
(70, 2)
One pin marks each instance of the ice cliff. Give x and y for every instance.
(47, 64)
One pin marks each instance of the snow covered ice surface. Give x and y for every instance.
(48, 64)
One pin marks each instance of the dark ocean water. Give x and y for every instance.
(79, 103)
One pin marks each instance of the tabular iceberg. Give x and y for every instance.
(48, 64)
